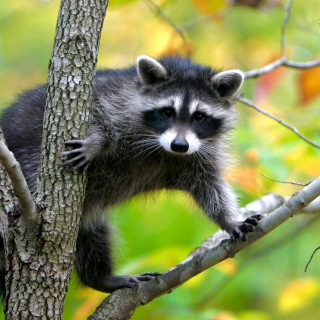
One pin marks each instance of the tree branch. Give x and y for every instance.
(284, 27)
(281, 62)
(129, 299)
(293, 129)
(19, 184)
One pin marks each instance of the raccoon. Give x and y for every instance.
(162, 124)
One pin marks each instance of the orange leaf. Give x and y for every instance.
(269, 81)
(309, 84)
(252, 155)
(225, 315)
(248, 178)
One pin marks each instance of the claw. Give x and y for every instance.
(70, 153)
(115, 282)
(250, 227)
(252, 221)
(74, 143)
(244, 238)
(246, 226)
(71, 161)
(79, 158)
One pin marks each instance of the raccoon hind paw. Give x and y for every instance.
(246, 226)
(115, 282)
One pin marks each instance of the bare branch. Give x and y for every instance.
(294, 129)
(267, 68)
(284, 27)
(288, 182)
(147, 291)
(19, 184)
(302, 65)
(315, 250)
(314, 206)
(281, 62)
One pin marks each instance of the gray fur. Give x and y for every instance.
(123, 156)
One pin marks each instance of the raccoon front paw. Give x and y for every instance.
(78, 158)
(246, 226)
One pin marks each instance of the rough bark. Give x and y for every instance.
(6, 207)
(37, 281)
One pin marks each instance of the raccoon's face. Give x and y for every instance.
(198, 106)
(182, 126)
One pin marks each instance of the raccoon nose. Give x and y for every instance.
(179, 145)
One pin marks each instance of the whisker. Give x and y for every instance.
(146, 146)
(207, 154)
(156, 148)
(141, 146)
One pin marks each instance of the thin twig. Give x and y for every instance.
(315, 250)
(293, 129)
(288, 182)
(284, 27)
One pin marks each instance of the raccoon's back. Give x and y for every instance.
(22, 125)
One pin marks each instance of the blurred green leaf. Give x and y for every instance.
(120, 2)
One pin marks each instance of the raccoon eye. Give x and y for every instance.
(168, 112)
(199, 117)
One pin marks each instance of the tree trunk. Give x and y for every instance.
(38, 276)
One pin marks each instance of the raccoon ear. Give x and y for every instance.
(228, 83)
(150, 71)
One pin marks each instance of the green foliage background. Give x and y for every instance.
(267, 280)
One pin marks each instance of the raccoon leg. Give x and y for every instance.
(219, 202)
(94, 262)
